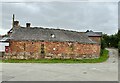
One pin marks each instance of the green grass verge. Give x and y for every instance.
(103, 57)
(0, 61)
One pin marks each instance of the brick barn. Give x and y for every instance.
(37, 42)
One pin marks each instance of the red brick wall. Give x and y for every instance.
(78, 49)
(54, 49)
(24, 46)
(57, 47)
(87, 49)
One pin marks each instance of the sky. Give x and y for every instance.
(69, 15)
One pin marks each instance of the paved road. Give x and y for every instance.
(107, 71)
(113, 56)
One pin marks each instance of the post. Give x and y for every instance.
(13, 20)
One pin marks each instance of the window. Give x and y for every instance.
(54, 48)
(69, 43)
(52, 35)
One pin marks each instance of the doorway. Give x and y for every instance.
(42, 51)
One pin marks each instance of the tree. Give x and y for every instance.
(118, 35)
(119, 48)
(103, 44)
(110, 40)
(105, 41)
(113, 40)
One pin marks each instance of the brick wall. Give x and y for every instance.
(73, 49)
(29, 50)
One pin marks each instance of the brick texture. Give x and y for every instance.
(66, 50)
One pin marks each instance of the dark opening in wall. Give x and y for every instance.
(42, 48)
(72, 47)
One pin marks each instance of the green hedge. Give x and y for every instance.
(119, 48)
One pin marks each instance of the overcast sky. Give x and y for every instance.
(78, 16)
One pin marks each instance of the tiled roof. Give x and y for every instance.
(96, 34)
(47, 34)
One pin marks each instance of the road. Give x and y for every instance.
(106, 71)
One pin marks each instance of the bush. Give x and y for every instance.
(119, 48)
(103, 44)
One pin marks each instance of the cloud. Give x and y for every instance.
(78, 16)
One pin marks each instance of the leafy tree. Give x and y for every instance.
(113, 41)
(103, 44)
(110, 40)
(119, 48)
(118, 35)
(104, 41)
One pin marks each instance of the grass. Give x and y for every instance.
(103, 58)
(0, 61)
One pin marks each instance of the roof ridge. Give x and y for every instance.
(49, 29)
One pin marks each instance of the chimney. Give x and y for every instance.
(13, 20)
(28, 25)
(16, 24)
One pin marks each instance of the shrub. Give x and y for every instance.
(119, 48)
